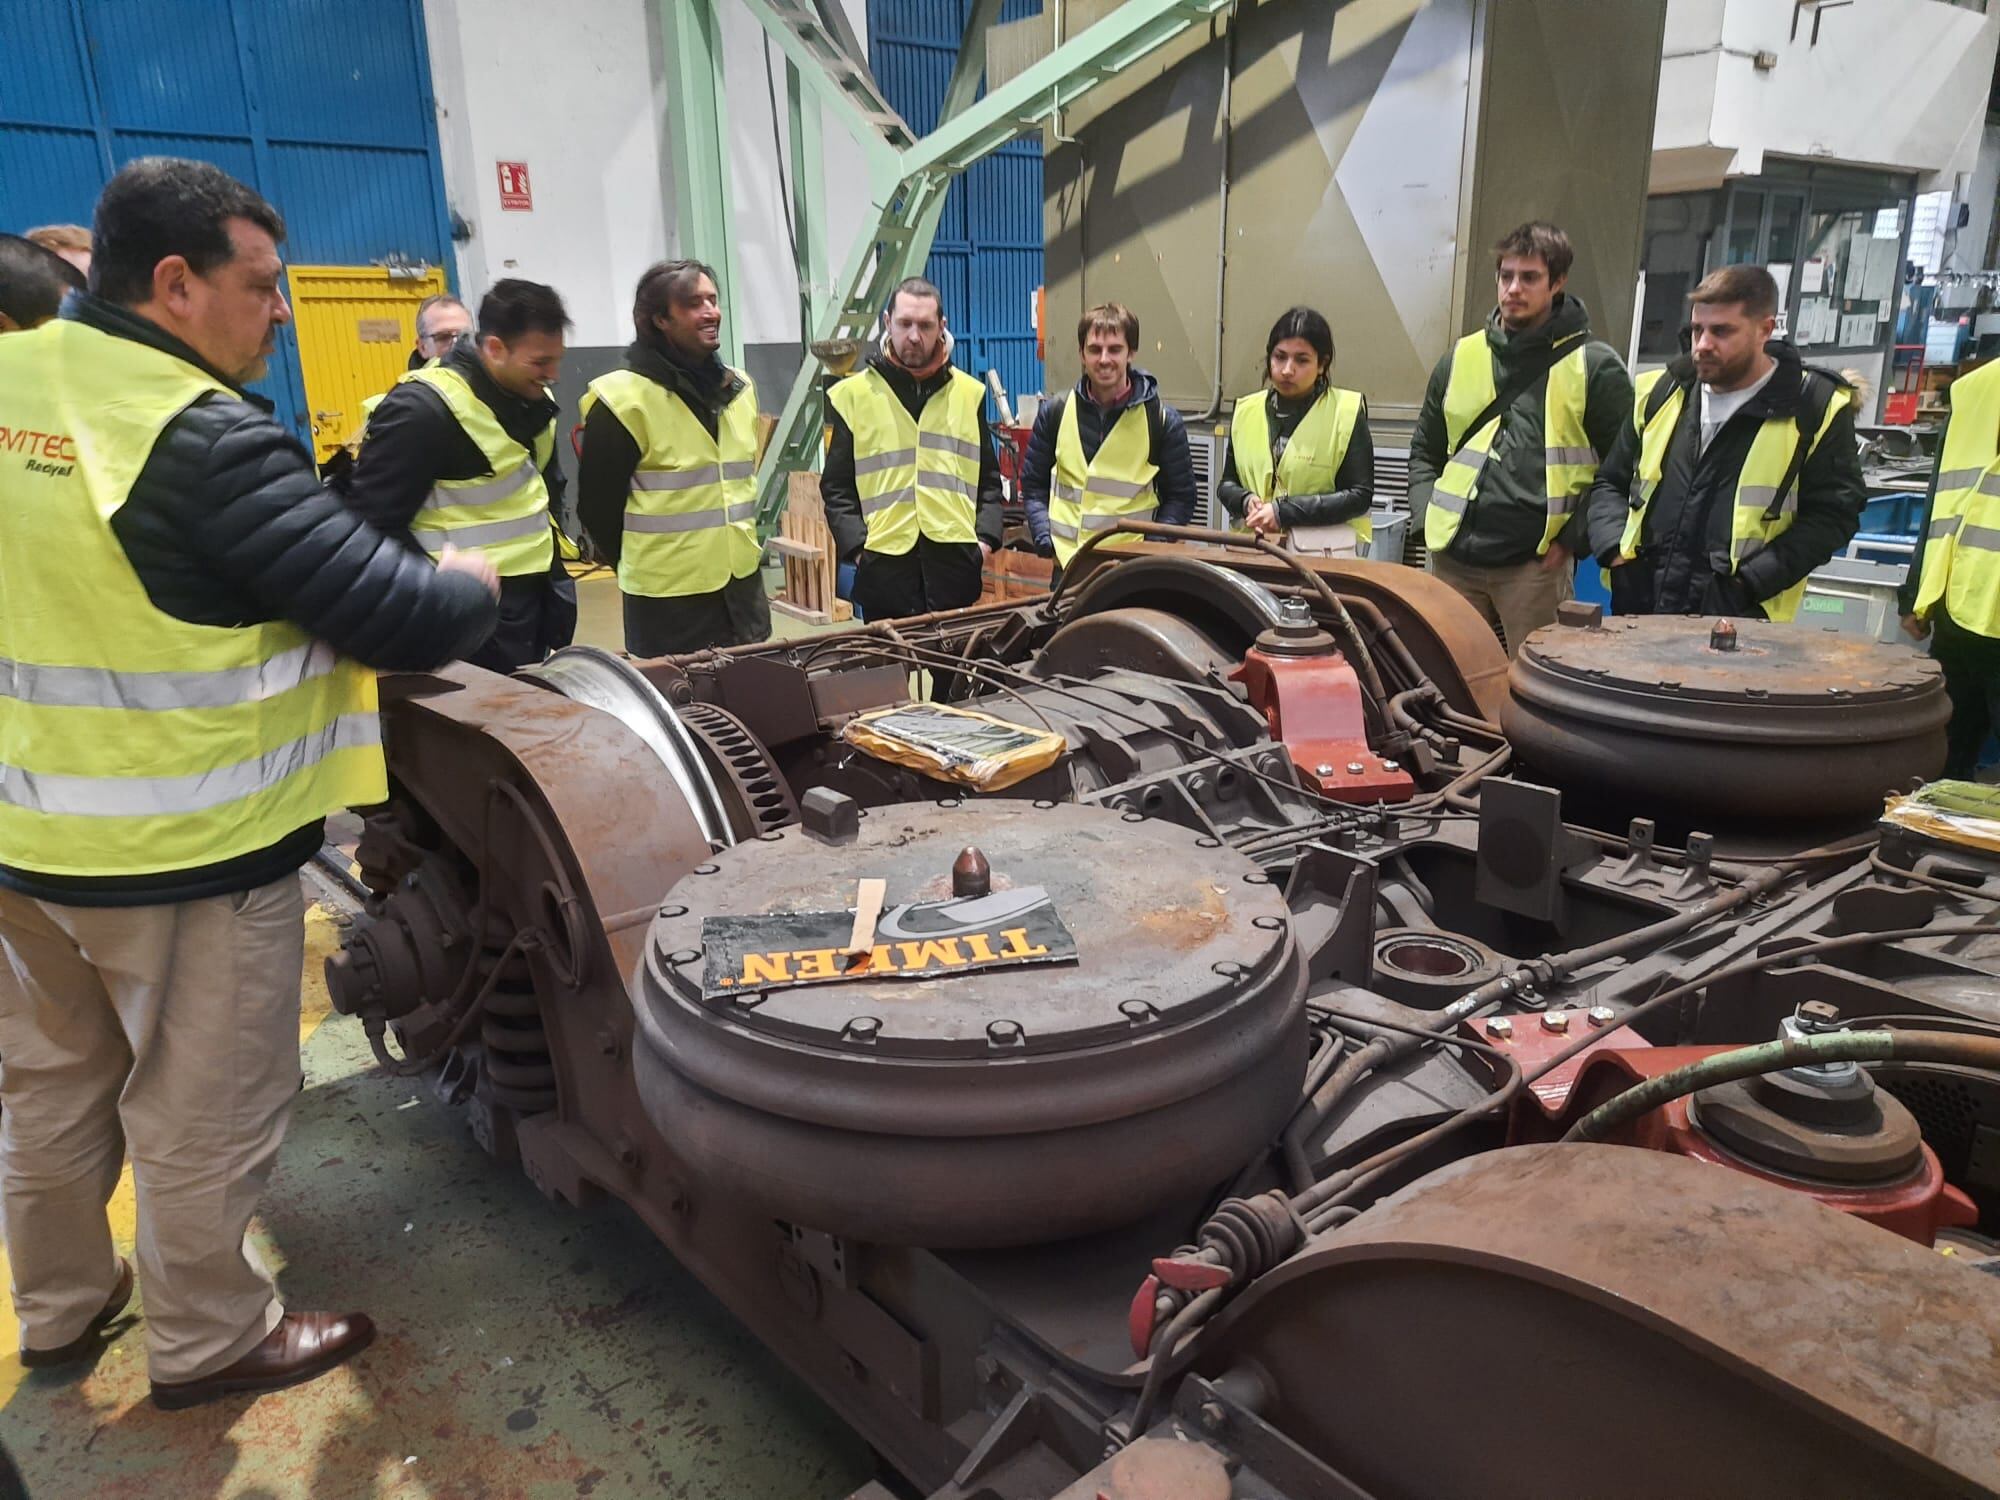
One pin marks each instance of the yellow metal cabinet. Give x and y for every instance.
(356, 326)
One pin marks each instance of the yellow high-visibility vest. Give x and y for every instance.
(1312, 455)
(1569, 463)
(915, 477)
(131, 742)
(691, 514)
(503, 513)
(1962, 548)
(1759, 515)
(1116, 484)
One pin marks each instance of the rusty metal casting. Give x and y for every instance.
(1307, 1004)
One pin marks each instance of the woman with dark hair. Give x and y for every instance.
(1300, 463)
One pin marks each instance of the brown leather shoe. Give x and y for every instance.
(89, 1341)
(303, 1346)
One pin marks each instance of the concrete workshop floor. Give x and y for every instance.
(526, 1352)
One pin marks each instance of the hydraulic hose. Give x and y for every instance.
(1791, 1052)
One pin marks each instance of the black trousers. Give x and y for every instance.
(537, 616)
(930, 576)
(1971, 665)
(737, 614)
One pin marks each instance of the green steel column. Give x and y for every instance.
(808, 240)
(704, 220)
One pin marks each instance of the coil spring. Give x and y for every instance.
(521, 1074)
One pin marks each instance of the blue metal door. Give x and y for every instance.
(323, 105)
(987, 259)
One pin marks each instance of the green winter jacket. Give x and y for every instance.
(1510, 507)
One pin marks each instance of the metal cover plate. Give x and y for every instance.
(1773, 663)
(1168, 926)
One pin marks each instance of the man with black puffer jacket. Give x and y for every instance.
(186, 692)
(1738, 473)
(1108, 450)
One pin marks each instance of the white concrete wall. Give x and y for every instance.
(577, 91)
(1898, 84)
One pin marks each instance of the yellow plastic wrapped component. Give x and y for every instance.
(954, 744)
(1966, 813)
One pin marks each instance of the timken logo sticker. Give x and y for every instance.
(916, 940)
(51, 453)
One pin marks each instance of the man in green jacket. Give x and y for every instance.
(1506, 446)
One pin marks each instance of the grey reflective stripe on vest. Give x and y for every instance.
(1944, 526)
(691, 479)
(1070, 493)
(1098, 520)
(1471, 459)
(1642, 491)
(1984, 538)
(693, 520)
(875, 463)
(870, 504)
(1115, 489)
(677, 479)
(932, 479)
(1758, 498)
(1446, 501)
(1067, 533)
(482, 535)
(480, 491)
(1558, 457)
(949, 444)
(101, 687)
(169, 796)
(1958, 479)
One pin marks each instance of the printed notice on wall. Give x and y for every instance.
(515, 195)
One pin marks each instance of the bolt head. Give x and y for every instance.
(1213, 1417)
(1324, 768)
(1556, 1021)
(1602, 1015)
(1135, 1010)
(864, 1028)
(1501, 1027)
(1818, 1013)
(1003, 1033)
(1355, 768)
(1390, 765)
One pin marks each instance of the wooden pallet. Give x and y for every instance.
(805, 544)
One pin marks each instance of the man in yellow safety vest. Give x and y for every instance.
(1507, 442)
(189, 626)
(912, 484)
(1738, 473)
(462, 452)
(667, 476)
(1952, 595)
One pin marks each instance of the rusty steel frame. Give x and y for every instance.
(986, 1373)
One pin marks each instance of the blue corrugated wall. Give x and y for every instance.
(987, 259)
(323, 105)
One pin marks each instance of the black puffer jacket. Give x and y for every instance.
(1683, 563)
(227, 524)
(1353, 489)
(1174, 485)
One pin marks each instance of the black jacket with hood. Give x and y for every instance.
(1509, 510)
(611, 454)
(413, 441)
(1174, 486)
(228, 524)
(1683, 561)
(837, 485)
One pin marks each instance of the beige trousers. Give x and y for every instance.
(170, 1032)
(1516, 600)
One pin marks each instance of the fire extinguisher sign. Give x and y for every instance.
(515, 195)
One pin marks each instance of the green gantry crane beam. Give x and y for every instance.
(909, 177)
